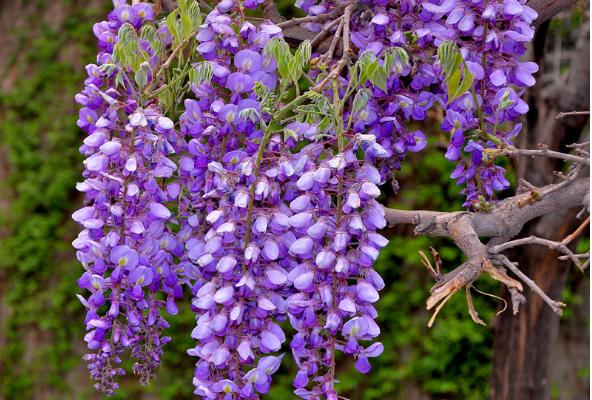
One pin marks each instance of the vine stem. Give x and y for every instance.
(338, 107)
(260, 151)
(125, 186)
(165, 66)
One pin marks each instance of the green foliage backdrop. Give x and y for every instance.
(38, 270)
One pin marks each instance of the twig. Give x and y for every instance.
(347, 19)
(582, 255)
(495, 297)
(169, 60)
(543, 152)
(578, 145)
(472, 312)
(311, 18)
(346, 48)
(329, 54)
(555, 305)
(321, 35)
(525, 183)
(576, 233)
(571, 177)
(559, 246)
(437, 260)
(565, 114)
(438, 309)
(426, 263)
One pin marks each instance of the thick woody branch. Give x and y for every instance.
(547, 9)
(503, 222)
(506, 218)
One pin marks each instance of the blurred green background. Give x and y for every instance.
(43, 50)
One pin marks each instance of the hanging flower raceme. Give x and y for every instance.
(232, 259)
(126, 248)
(491, 36)
(220, 160)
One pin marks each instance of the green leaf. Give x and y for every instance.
(108, 69)
(366, 64)
(151, 35)
(166, 98)
(396, 60)
(261, 91)
(458, 78)
(505, 101)
(361, 100)
(378, 78)
(249, 113)
(280, 51)
(453, 83)
(125, 40)
(289, 133)
(325, 124)
(449, 57)
(466, 84)
(295, 69)
(141, 75)
(173, 25)
(200, 73)
(119, 80)
(303, 53)
(194, 14)
(185, 26)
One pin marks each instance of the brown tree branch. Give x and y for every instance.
(547, 9)
(503, 222)
(542, 152)
(555, 305)
(569, 113)
(559, 246)
(506, 217)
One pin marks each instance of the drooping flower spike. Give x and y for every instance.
(223, 178)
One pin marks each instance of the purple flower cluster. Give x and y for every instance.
(491, 36)
(126, 247)
(267, 210)
(231, 258)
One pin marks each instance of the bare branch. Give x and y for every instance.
(312, 18)
(164, 67)
(565, 114)
(347, 51)
(569, 238)
(472, 312)
(437, 311)
(555, 305)
(505, 219)
(549, 8)
(583, 255)
(426, 263)
(503, 222)
(328, 56)
(325, 31)
(543, 152)
(559, 246)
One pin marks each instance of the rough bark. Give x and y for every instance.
(522, 344)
